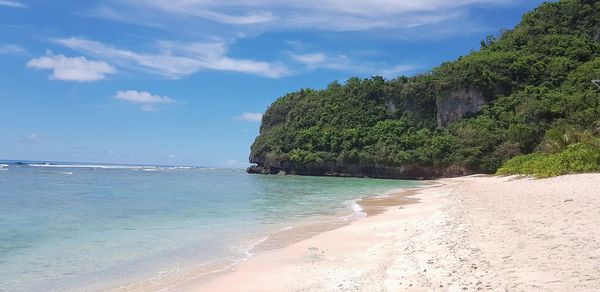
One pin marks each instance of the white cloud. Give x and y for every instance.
(72, 69)
(397, 70)
(310, 59)
(11, 49)
(340, 62)
(147, 100)
(14, 4)
(249, 117)
(177, 60)
(193, 8)
(326, 15)
(322, 60)
(120, 15)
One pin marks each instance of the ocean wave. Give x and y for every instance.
(91, 166)
(287, 228)
(356, 207)
(357, 211)
(104, 166)
(179, 167)
(245, 248)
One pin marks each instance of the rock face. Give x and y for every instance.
(458, 104)
(334, 168)
(390, 106)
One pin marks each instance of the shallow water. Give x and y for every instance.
(70, 227)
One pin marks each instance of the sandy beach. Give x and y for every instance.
(469, 233)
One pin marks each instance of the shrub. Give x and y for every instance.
(576, 158)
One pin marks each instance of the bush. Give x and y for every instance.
(576, 158)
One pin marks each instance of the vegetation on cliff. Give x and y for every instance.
(470, 115)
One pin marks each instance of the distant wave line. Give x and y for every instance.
(99, 166)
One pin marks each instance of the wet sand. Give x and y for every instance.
(370, 206)
(470, 233)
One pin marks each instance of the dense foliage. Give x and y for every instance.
(534, 80)
(576, 158)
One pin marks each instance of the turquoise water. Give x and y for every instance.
(95, 227)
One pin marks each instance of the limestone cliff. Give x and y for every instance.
(461, 103)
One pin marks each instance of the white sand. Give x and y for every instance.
(472, 233)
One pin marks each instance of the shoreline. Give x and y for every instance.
(468, 233)
(372, 207)
(369, 205)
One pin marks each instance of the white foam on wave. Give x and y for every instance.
(179, 167)
(246, 248)
(3, 166)
(92, 166)
(287, 228)
(357, 211)
(356, 207)
(104, 166)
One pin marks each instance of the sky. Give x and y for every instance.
(185, 82)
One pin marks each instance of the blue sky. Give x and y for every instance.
(184, 82)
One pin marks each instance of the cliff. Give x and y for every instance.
(458, 104)
(466, 116)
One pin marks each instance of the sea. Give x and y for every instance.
(98, 227)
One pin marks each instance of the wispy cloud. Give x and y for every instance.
(176, 60)
(11, 49)
(311, 59)
(340, 62)
(116, 14)
(204, 10)
(398, 70)
(72, 69)
(14, 4)
(324, 15)
(249, 117)
(147, 100)
(31, 138)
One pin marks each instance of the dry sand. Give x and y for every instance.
(470, 233)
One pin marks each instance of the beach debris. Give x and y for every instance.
(568, 200)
